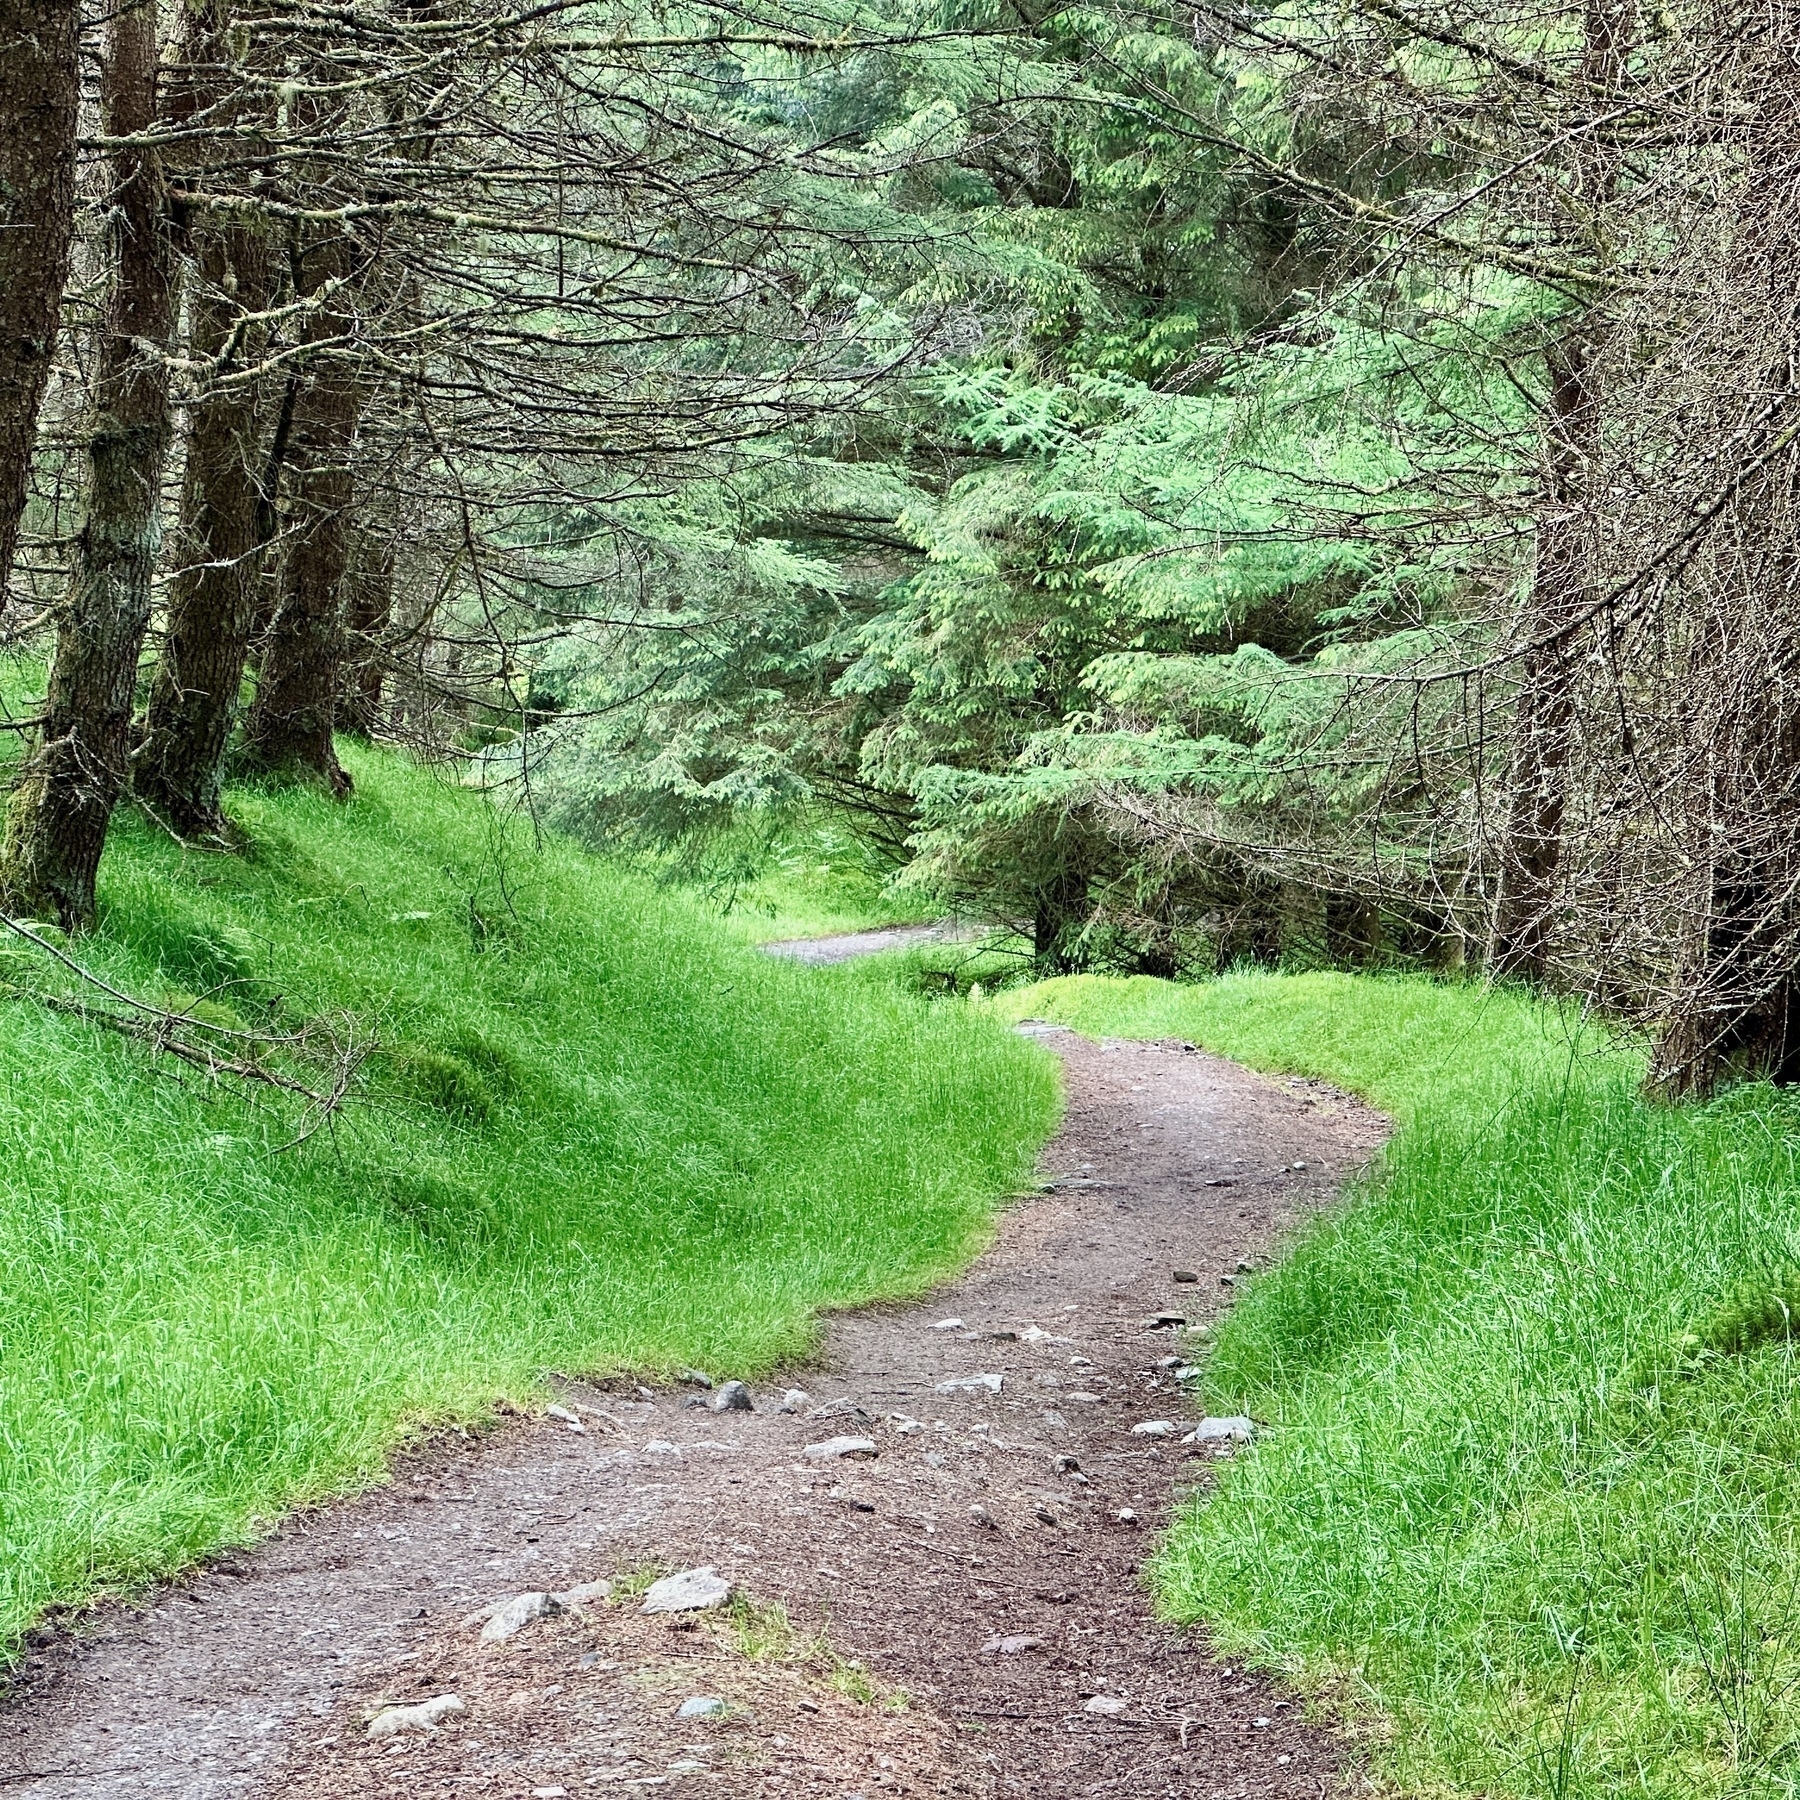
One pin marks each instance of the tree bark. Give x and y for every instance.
(57, 823)
(1543, 735)
(226, 521)
(1543, 738)
(39, 92)
(180, 759)
(1734, 1006)
(293, 718)
(369, 611)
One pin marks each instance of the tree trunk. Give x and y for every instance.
(369, 611)
(39, 91)
(193, 704)
(1734, 1008)
(294, 715)
(225, 516)
(1543, 739)
(56, 827)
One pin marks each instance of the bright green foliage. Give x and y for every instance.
(1530, 1478)
(597, 1133)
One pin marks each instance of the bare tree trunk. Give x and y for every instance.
(1735, 1006)
(56, 827)
(294, 715)
(369, 611)
(39, 90)
(1543, 738)
(180, 759)
(225, 518)
(1544, 724)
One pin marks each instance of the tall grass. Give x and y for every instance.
(598, 1133)
(1529, 1496)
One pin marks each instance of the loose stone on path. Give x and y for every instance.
(694, 1590)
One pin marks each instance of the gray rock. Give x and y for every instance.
(1234, 1430)
(1109, 1706)
(1011, 1646)
(1185, 1275)
(733, 1397)
(1126, 1516)
(793, 1400)
(426, 1716)
(693, 1590)
(585, 1593)
(842, 1446)
(511, 1617)
(972, 1384)
(568, 1418)
(702, 1706)
(948, 1325)
(1157, 1428)
(1082, 1398)
(983, 1517)
(696, 1378)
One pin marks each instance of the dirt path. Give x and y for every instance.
(851, 944)
(985, 1517)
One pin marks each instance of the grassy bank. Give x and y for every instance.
(596, 1132)
(1529, 1500)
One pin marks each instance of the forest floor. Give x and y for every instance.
(938, 1619)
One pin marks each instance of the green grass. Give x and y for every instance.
(815, 877)
(1528, 1503)
(598, 1133)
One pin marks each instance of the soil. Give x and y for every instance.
(865, 1654)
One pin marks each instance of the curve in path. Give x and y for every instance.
(958, 1615)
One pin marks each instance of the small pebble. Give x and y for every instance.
(702, 1706)
(1260, 1723)
(1011, 1646)
(1185, 1275)
(982, 1516)
(1108, 1705)
(696, 1378)
(733, 1397)
(1126, 1516)
(570, 1419)
(794, 1399)
(972, 1384)
(1158, 1428)
(948, 1325)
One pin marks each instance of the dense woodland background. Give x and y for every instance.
(1308, 483)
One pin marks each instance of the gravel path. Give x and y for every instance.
(958, 1614)
(872, 943)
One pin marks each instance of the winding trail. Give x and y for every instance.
(902, 1576)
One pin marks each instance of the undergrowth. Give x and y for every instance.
(595, 1133)
(1528, 1498)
